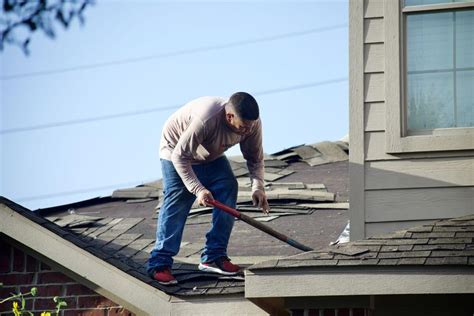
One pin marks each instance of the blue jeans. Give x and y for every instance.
(217, 177)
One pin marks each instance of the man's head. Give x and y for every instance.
(241, 112)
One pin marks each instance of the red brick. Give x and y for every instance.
(297, 312)
(5, 260)
(79, 312)
(53, 277)
(7, 291)
(45, 291)
(17, 278)
(49, 304)
(358, 312)
(5, 248)
(79, 289)
(31, 264)
(94, 301)
(313, 312)
(18, 260)
(343, 312)
(121, 312)
(44, 267)
(329, 312)
(7, 306)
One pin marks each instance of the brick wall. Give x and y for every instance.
(20, 272)
(331, 312)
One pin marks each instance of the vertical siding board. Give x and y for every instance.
(393, 100)
(374, 86)
(373, 8)
(374, 30)
(374, 58)
(356, 121)
(374, 117)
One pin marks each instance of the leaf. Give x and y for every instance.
(23, 303)
(61, 19)
(31, 25)
(7, 6)
(34, 290)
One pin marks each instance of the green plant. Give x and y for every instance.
(20, 298)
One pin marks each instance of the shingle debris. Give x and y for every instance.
(442, 243)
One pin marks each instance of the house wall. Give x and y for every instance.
(393, 191)
(19, 272)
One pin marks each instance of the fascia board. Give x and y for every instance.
(367, 281)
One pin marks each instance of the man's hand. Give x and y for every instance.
(204, 196)
(259, 199)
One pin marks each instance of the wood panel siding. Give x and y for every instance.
(373, 30)
(373, 8)
(374, 85)
(400, 189)
(374, 58)
(419, 173)
(418, 204)
(375, 229)
(356, 121)
(374, 117)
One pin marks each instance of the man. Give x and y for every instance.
(193, 163)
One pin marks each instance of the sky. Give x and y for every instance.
(82, 115)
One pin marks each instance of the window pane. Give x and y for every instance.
(464, 39)
(423, 2)
(430, 100)
(465, 98)
(430, 41)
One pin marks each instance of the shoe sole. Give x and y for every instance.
(168, 283)
(205, 268)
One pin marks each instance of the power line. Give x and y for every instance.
(74, 192)
(175, 53)
(157, 109)
(86, 120)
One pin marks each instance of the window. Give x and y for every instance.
(429, 47)
(439, 67)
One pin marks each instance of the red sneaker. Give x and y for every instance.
(164, 276)
(222, 266)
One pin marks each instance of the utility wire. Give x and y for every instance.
(73, 192)
(173, 54)
(157, 109)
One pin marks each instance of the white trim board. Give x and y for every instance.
(359, 281)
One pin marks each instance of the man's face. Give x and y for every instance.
(238, 125)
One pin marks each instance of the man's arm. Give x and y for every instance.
(182, 156)
(252, 151)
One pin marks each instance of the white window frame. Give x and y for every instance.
(397, 139)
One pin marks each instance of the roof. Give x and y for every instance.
(442, 243)
(307, 187)
(436, 258)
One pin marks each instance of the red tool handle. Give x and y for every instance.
(258, 225)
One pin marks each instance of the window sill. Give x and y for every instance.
(447, 139)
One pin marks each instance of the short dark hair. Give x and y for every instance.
(245, 106)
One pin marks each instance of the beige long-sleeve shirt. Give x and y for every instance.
(198, 133)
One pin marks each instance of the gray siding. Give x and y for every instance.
(399, 190)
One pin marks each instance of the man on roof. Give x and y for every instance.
(194, 166)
